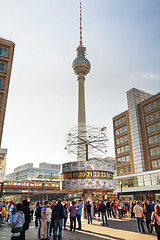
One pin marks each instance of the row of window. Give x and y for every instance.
(124, 170)
(30, 184)
(156, 164)
(1, 82)
(2, 66)
(121, 130)
(153, 116)
(124, 159)
(152, 106)
(122, 140)
(155, 151)
(3, 51)
(123, 149)
(120, 121)
(153, 128)
(154, 139)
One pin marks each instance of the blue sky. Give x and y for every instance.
(123, 45)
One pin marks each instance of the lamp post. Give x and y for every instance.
(121, 187)
(29, 179)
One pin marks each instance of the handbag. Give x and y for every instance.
(153, 221)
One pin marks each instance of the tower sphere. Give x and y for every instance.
(81, 65)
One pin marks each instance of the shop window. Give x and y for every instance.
(151, 140)
(146, 109)
(148, 119)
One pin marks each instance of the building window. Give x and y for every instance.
(2, 66)
(121, 130)
(152, 105)
(159, 163)
(153, 116)
(122, 149)
(119, 160)
(158, 150)
(117, 132)
(125, 128)
(155, 127)
(128, 158)
(157, 138)
(126, 138)
(1, 82)
(124, 119)
(127, 148)
(116, 123)
(123, 159)
(120, 121)
(129, 169)
(118, 150)
(154, 164)
(152, 152)
(151, 140)
(158, 113)
(117, 141)
(146, 109)
(120, 170)
(149, 129)
(148, 119)
(124, 170)
(158, 102)
(122, 140)
(3, 51)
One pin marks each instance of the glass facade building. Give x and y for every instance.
(137, 145)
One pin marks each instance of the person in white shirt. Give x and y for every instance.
(139, 213)
(48, 212)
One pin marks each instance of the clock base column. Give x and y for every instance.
(88, 196)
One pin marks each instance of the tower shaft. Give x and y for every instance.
(81, 101)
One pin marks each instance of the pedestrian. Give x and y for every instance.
(139, 213)
(148, 214)
(3, 215)
(65, 215)
(89, 214)
(132, 212)
(10, 213)
(17, 222)
(37, 214)
(49, 212)
(58, 214)
(79, 213)
(73, 216)
(43, 231)
(103, 212)
(151, 204)
(26, 211)
(156, 215)
(108, 205)
(52, 217)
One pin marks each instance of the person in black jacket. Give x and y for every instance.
(26, 211)
(103, 212)
(58, 214)
(148, 214)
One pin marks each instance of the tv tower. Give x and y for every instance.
(81, 67)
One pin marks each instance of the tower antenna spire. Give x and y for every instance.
(80, 23)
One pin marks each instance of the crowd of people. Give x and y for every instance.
(51, 217)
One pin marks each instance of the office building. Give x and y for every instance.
(137, 146)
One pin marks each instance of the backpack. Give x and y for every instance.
(38, 212)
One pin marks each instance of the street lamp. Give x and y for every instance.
(29, 179)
